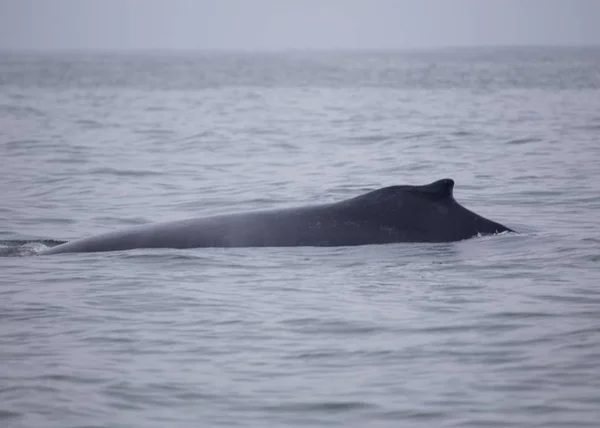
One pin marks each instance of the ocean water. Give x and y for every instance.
(493, 331)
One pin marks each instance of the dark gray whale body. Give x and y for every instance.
(427, 213)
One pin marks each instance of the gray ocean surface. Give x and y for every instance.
(497, 331)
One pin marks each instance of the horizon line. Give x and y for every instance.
(116, 50)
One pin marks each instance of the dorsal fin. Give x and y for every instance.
(441, 188)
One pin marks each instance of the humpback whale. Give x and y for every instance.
(394, 214)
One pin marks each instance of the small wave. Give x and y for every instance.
(519, 141)
(152, 255)
(155, 131)
(461, 133)
(371, 138)
(594, 258)
(8, 414)
(591, 239)
(594, 125)
(312, 325)
(22, 144)
(21, 247)
(325, 406)
(418, 135)
(156, 108)
(20, 111)
(90, 123)
(125, 172)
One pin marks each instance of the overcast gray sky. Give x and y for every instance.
(294, 24)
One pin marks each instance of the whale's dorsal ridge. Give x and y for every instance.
(438, 190)
(441, 189)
